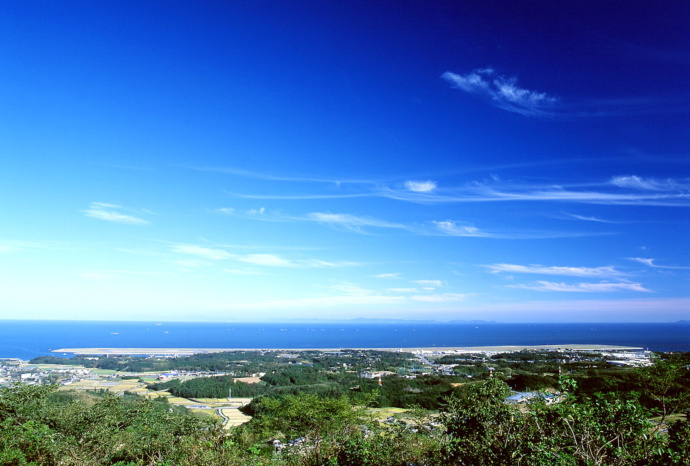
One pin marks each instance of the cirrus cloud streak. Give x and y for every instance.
(111, 213)
(603, 287)
(607, 271)
(503, 92)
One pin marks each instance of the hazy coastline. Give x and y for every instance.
(188, 351)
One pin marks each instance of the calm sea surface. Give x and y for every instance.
(27, 339)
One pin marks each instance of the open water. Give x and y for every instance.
(28, 339)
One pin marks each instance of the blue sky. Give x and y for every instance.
(221, 161)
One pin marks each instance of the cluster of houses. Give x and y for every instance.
(532, 397)
(16, 371)
(631, 358)
(366, 374)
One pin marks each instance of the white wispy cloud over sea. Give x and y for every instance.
(673, 194)
(607, 271)
(429, 283)
(420, 186)
(502, 91)
(603, 287)
(650, 262)
(590, 219)
(452, 228)
(650, 184)
(207, 253)
(256, 259)
(617, 190)
(363, 225)
(112, 213)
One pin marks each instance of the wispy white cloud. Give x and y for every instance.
(650, 263)
(388, 275)
(675, 194)
(603, 287)
(452, 228)
(261, 259)
(439, 298)
(297, 197)
(583, 310)
(510, 192)
(281, 177)
(638, 191)
(590, 219)
(431, 283)
(502, 92)
(269, 260)
(259, 211)
(344, 221)
(348, 293)
(322, 263)
(243, 271)
(255, 214)
(208, 253)
(420, 186)
(607, 271)
(112, 213)
(327, 301)
(633, 182)
(351, 222)
(361, 224)
(649, 184)
(340, 294)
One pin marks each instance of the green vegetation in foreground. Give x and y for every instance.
(473, 427)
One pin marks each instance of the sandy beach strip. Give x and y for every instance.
(440, 349)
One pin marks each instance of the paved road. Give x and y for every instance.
(425, 361)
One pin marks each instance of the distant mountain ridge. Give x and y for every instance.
(366, 320)
(375, 320)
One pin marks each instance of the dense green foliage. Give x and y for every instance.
(209, 387)
(241, 363)
(37, 427)
(634, 420)
(427, 391)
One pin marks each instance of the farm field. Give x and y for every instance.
(384, 413)
(206, 406)
(234, 417)
(114, 386)
(219, 402)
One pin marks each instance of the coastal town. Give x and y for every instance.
(277, 405)
(120, 371)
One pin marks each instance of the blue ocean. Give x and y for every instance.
(28, 339)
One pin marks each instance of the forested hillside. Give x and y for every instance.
(474, 426)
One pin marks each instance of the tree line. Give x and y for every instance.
(473, 427)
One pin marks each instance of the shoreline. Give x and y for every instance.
(477, 349)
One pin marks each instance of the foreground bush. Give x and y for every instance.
(37, 429)
(475, 427)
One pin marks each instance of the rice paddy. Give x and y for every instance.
(231, 416)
